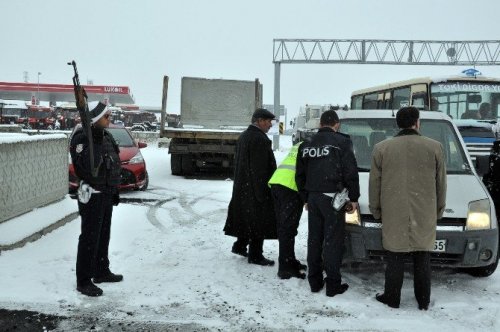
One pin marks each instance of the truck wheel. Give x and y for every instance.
(176, 164)
(187, 165)
(484, 271)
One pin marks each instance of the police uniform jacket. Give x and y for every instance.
(106, 157)
(251, 211)
(326, 164)
(407, 190)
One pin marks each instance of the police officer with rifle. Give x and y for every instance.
(95, 156)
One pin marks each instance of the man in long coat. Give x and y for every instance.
(251, 217)
(407, 191)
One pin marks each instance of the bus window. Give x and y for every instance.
(357, 103)
(419, 95)
(370, 101)
(401, 98)
(463, 100)
(387, 100)
(380, 101)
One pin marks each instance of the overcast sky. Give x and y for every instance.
(135, 43)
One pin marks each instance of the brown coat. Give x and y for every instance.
(407, 190)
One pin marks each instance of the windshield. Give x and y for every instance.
(466, 100)
(365, 133)
(121, 136)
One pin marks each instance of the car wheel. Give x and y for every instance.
(138, 128)
(146, 183)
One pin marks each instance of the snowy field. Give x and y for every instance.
(178, 270)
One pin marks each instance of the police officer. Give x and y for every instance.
(288, 207)
(96, 197)
(325, 166)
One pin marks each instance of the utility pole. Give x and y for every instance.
(38, 89)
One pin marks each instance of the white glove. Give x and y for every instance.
(84, 192)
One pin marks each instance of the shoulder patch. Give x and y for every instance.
(79, 148)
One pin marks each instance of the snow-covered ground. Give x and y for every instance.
(178, 270)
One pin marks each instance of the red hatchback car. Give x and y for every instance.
(134, 175)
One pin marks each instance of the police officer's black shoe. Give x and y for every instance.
(109, 277)
(332, 291)
(290, 272)
(260, 261)
(89, 289)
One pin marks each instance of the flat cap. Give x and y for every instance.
(262, 113)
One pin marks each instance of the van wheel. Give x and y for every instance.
(176, 164)
(483, 271)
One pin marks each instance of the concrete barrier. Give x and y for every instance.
(33, 172)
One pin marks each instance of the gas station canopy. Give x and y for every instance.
(64, 92)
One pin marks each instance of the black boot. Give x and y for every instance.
(89, 289)
(382, 298)
(260, 261)
(332, 291)
(287, 272)
(299, 266)
(239, 250)
(316, 286)
(108, 277)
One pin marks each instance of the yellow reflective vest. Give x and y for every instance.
(285, 173)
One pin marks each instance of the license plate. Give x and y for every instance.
(440, 246)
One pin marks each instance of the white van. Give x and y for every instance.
(467, 235)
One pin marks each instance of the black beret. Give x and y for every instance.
(262, 113)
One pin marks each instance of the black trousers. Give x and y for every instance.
(325, 243)
(288, 207)
(394, 274)
(92, 258)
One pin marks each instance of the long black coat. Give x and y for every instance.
(251, 212)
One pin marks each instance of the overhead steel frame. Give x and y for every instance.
(382, 52)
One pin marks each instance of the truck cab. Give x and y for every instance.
(467, 235)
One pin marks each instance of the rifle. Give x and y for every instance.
(83, 109)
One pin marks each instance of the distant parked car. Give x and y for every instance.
(134, 175)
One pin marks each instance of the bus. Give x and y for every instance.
(472, 101)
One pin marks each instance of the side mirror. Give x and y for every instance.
(142, 145)
(482, 165)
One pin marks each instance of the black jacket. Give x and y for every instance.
(106, 155)
(326, 164)
(251, 211)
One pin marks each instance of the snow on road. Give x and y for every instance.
(168, 243)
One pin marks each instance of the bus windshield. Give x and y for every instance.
(466, 100)
(365, 133)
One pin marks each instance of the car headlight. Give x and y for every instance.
(353, 218)
(478, 216)
(137, 159)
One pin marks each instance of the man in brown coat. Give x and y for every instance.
(407, 191)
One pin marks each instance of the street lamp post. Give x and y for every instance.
(38, 89)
